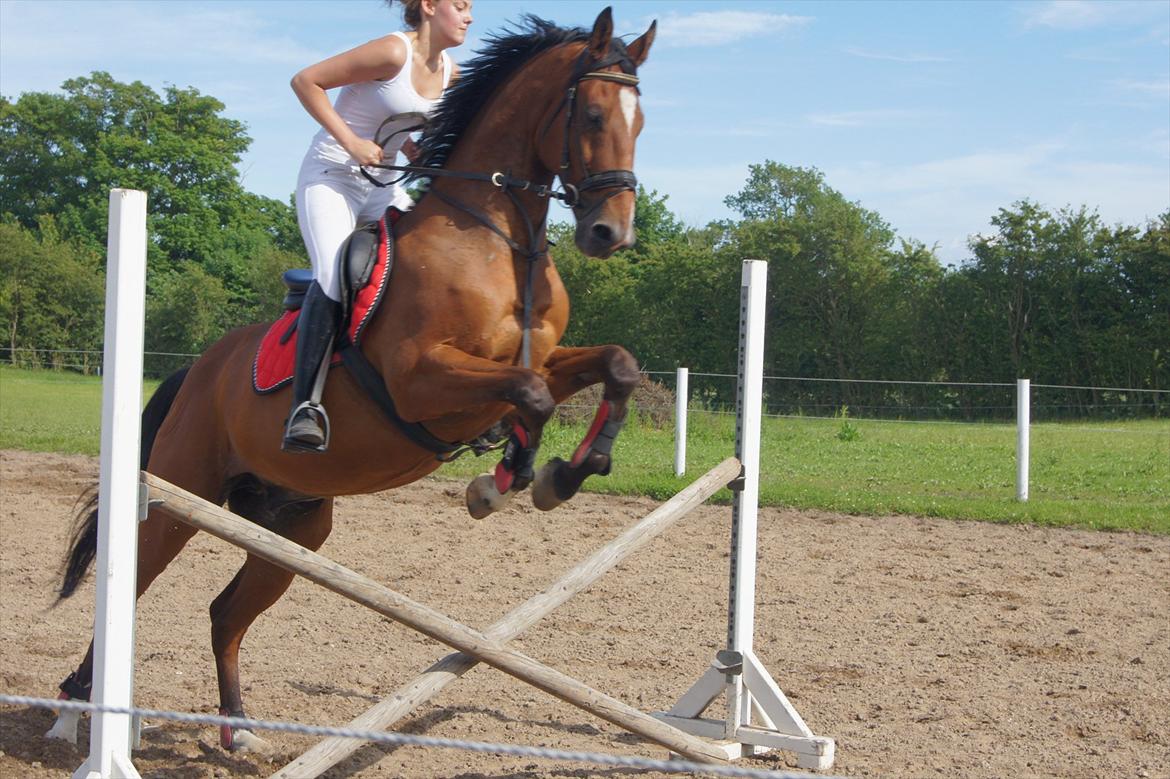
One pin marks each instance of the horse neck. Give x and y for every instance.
(506, 137)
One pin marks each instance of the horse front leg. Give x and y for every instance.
(571, 370)
(449, 381)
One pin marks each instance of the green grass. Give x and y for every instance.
(1109, 475)
(52, 411)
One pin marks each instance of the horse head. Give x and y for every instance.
(590, 138)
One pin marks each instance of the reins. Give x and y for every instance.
(617, 181)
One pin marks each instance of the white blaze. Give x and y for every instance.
(629, 101)
(628, 96)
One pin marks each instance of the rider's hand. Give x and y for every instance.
(365, 152)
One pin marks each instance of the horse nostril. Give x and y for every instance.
(603, 233)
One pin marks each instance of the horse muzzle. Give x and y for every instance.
(602, 236)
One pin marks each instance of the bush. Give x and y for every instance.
(652, 404)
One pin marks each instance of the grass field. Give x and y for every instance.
(1112, 475)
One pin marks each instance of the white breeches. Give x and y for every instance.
(331, 201)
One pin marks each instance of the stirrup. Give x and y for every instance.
(291, 444)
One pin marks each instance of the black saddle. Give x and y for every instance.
(356, 261)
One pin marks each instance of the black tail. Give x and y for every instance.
(83, 544)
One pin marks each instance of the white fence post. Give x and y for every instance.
(117, 553)
(680, 421)
(1023, 425)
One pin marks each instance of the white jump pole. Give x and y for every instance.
(680, 421)
(118, 504)
(1023, 436)
(737, 673)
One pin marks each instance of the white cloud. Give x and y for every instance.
(1150, 88)
(882, 117)
(907, 58)
(946, 200)
(1155, 143)
(152, 41)
(1085, 14)
(716, 28)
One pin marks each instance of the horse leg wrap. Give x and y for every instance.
(559, 480)
(515, 470)
(227, 735)
(72, 689)
(599, 440)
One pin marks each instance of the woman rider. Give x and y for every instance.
(400, 73)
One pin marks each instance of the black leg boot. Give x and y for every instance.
(308, 425)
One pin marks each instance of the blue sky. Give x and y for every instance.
(933, 114)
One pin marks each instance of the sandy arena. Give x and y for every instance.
(924, 647)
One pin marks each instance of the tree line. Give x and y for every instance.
(1057, 297)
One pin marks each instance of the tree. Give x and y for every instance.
(1143, 274)
(654, 224)
(828, 265)
(60, 154)
(51, 294)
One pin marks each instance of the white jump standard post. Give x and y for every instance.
(681, 395)
(1023, 435)
(119, 501)
(736, 672)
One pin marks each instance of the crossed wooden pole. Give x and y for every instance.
(489, 647)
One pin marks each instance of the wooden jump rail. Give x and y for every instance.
(473, 646)
(430, 682)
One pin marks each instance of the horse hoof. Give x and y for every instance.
(483, 498)
(243, 740)
(544, 491)
(65, 728)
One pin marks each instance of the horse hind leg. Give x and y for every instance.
(257, 586)
(160, 539)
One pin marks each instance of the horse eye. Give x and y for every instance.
(594, 119)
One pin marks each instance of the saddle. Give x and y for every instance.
(365, 262)
(356, 262)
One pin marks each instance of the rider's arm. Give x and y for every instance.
(378, 59)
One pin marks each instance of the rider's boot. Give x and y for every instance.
(308, 424)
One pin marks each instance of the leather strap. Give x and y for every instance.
(367, 376)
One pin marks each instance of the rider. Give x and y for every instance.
(401, 73)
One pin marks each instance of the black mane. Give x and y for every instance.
(502, 55)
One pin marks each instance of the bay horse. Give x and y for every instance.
(473, 296)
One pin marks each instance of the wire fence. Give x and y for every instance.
(921, 401)
(784, 396)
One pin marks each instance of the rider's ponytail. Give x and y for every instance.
(411, 11)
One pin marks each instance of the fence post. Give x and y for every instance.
(118, 502)
(681, 395)
(1023, 425)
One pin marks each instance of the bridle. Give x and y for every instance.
(569, 194)
(616, 181)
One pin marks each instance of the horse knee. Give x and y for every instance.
(624, 374)
(533, 399)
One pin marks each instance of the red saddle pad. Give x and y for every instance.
(276, 356)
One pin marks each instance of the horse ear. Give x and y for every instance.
(602, 34)
(640, 49)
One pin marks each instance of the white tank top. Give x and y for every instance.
(364, 106)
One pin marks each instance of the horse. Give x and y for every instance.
(466, 341)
